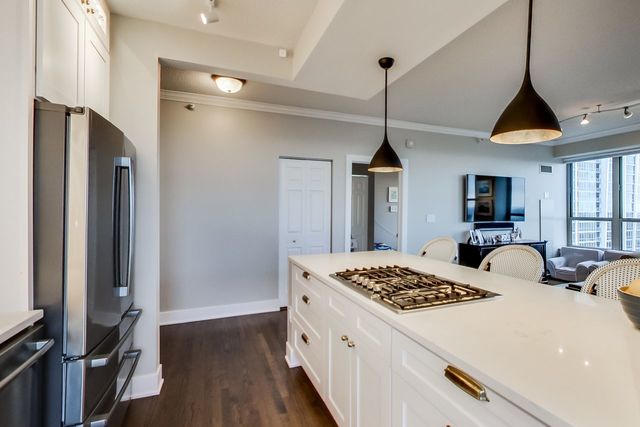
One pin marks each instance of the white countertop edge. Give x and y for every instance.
(14, 322)
(388, 317)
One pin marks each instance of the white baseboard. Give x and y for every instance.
(290, 357)
(147, 385)
(218, 312)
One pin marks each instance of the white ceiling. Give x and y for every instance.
(272, 22)
(584, 53)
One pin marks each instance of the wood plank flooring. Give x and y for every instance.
(229, 372)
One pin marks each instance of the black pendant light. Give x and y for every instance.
(528, 118)
(385, 159)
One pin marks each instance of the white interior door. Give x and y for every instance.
(305, 213)
(359, 211)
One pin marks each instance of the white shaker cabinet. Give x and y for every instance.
(72, 58)
(96, 76)
(60, 51)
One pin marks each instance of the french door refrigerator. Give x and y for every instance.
(83, 216)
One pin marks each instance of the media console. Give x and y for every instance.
(471, 255)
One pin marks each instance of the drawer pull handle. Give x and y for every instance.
(306, 299)
(351, 344)
(306, 275)
(344, 338)
(305, 338)
(466, 383)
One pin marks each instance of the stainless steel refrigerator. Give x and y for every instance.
(84, 210)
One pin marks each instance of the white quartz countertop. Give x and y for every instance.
(566, 357)
(14, 322)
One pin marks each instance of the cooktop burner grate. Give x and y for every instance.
(404, 289)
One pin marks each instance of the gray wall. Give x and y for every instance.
(385, 223)
(219, 182)
(599, 146)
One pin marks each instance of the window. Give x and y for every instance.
(598, 216)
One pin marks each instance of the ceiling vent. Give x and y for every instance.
(546, 169)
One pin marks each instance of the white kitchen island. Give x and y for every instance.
(543, 355)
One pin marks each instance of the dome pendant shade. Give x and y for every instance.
(385, 160)
(528, 118)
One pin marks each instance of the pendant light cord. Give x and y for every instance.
(529, 37)
(385, 102)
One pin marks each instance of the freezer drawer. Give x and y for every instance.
(88, 379)
(21, 378)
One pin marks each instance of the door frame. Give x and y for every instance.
(403, 184)
(283, 271)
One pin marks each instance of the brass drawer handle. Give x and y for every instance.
(466, 383)
(305, 338)
(351, 344)
(344, 338)
(306, 299)
(306, 275)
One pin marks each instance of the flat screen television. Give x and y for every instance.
(493, 198)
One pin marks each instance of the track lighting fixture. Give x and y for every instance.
(627, 113)
(210, 16)
(585, 120)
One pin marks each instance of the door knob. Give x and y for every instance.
(344, 338)
(351, 344)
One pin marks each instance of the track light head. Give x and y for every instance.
(585, 120)
(210, 16)
(627, 113)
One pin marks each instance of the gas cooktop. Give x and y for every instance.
(403, 289)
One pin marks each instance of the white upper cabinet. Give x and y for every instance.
(96, 73)
(60, 51)
(72, 55)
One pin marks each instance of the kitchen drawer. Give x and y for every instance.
(95, 372)
(310, 350)
(425, 372)
(307, 301)
(363, 328)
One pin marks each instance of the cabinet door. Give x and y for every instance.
(370, 388)
(410, 409)
(338, 388)
(96, 73)
(60, 51)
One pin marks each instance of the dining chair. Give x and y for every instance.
(605, 280)
(518, 261)
(440, 248)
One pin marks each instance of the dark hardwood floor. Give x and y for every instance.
(229, 372)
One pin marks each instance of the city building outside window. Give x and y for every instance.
(598, 216)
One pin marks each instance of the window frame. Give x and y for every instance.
(617, 220)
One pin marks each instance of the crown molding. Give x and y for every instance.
(243, 104)
(599, 134)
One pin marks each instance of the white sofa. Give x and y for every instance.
(574, 264)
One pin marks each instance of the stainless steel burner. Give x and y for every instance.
(404, 289)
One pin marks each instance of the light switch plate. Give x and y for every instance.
(393, 209)
(431, 218)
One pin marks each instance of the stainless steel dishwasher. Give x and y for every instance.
(21, 378)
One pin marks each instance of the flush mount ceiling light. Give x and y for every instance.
(385, 159)
(528, 118)
(210, 16)
(228, 84)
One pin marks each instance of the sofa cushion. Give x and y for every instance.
(578, 255)
(566, 273)
(613, 255)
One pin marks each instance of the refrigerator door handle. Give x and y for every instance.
(122, 287)
(100, 360)
(40, 347)
(101, 420)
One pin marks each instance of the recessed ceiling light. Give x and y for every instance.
(210, 16)
(228, 84)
